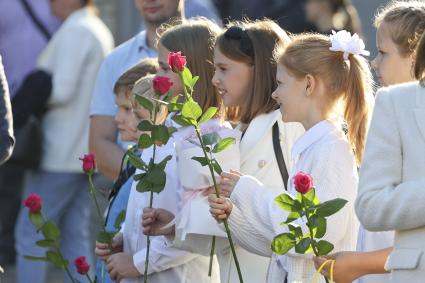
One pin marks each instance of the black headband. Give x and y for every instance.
(238, 33)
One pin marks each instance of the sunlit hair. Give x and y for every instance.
(264, 36)
(348, 82)
(345, 16)
(195, 38)
(127, 80)
(420, 60)
(406, 20)
(144, 87)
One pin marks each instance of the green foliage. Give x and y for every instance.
(202, 160)
(105, 237)
(36, 220)
(192, 111)
(144, 102)
(223, 144)
(119, 220)
(330, 207)
(145, 141)
(208, 115)
(283, 243)
(50, 231)
(324, 247)
(160, 135)
(56, 259)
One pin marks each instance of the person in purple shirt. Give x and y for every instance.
(22, 38)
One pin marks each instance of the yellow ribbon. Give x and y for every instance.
(316, 276)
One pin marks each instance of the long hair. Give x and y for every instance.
(420, 60)
(345, 16)
(264, 36)
(348, 81)
(195, 39)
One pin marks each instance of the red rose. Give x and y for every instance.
(303, 182)
(33, 202)
(89, 163)
(161, 85)
(176, 61)
(81, 265)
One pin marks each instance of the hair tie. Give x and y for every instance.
(343, 41)
(240, 33)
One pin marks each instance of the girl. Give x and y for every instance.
(168, 264)
(328, 15)
(314, 82)
(245, 76)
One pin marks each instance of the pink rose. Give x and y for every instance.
(161, 85)
(81, 265)
(33, 202)
(303, 182)
(176, 61)
(89, 163)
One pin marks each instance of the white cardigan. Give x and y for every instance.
(392, 178)
(323, 152)
(73, 57)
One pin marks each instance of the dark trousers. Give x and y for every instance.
(11, 186)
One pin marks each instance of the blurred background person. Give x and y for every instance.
(23, 23)
(72, 57)
(328, 15)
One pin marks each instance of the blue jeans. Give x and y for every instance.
(65, 201)
(119, 204)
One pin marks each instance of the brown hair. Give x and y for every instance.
(420, 60)
(264, 36)
(345, 16)
(349, 81)
(195, 39)
(129, 77)
(144, 87)
(407, 22)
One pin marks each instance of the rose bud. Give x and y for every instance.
(303, 182)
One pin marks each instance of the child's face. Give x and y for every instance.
(165, 70)
(390, 66)
(125, 118)
(290, 94)
(232, 79)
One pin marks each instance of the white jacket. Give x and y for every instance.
(73, 57)
(392, 178)
(323, 152)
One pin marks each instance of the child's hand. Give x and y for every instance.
(155, 220)
(220, 208)
(228, 182)
(121, 266)
(344, 267)
(103, 251)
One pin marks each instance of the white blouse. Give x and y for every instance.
(324, 152)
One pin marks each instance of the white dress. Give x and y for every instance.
(166, 264)
(323, 152)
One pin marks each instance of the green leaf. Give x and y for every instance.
(37, 220)
(171, 131)
(156, 176)
(282, 243)
(104, 237)
(182, 121)
(145, 141)
(324, 247)
(50, 231)
(223, 144)
(191, 110)
(143, 186)
(296, 230)
(119, 220)
(208, 114)
(139, 177)
(330, 207)
(311, 198)
(163, 162)
(160, 135)
(135, 160)
(175, 107)
(202, 160)
(319, 223)
(144, 102)
(56, 259)
(145, 126)
(187, 76)
(292, 216)
(45, 243)
(287, 202)
(302, 246)
(193, 82)
(216, 167)
(35, 258)
(210, 138)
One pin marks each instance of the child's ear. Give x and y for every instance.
(310, 84)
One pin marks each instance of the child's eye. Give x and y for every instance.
(381, 52)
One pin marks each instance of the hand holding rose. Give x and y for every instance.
(220, 207)
(103, 251)
(155, 220)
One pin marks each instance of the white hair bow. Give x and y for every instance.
(344, 42)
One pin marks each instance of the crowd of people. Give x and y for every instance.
(297, 96)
